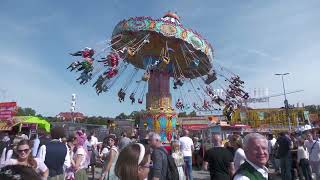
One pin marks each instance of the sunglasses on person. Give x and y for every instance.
(23, 150)
(150, 165)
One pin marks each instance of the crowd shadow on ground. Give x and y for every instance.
(197, 175)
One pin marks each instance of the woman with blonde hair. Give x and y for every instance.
(134, 162)
(178, 158)
(25, 158)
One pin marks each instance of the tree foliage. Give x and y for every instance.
(26, 112)
(99, 120)
(122, 116)
(184, 114)
(313, 109)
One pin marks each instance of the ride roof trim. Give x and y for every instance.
(167, 29)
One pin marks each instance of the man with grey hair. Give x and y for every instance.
(158, 157)
(256, 150)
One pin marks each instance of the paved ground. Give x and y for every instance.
(200, 175)
(204, 175)
(197, 175)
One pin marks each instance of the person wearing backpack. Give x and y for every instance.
(158, 157)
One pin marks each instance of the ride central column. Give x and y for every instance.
(160, 116)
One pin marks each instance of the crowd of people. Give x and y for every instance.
(291, 155)
(58, 157)
(296, 155)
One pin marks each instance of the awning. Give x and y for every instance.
(195, 126)
(42, 123)
(5, 127)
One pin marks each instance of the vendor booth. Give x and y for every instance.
(26, 123)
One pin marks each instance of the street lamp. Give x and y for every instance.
(286, 104)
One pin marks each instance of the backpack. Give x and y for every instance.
(172, 171)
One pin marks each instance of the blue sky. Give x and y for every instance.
(252, 38)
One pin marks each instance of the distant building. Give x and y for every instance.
(270, 118)
(69, 116)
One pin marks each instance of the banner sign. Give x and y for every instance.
(243, 116)
(7, 111)
(261, 116)
(195, 126)
(306, 115)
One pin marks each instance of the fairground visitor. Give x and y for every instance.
(303, 160)
(178, 158)
(80, 158)
(256, 150)
(197, 152)
(19, 172)
(108, 172)
(187, 147)
(284, 144)
(273, 152)
(218, 160)
(92, 148)
(313, 146)
(134, 162)
(158, 157)
(124, 141)
(25, 158)
(55, 154)
(239, 155)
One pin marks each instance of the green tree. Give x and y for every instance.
(192, 114)
(25, 112)
(52, 119)
(137, 116)
(313, 109)
(122, 116)
(182, 114)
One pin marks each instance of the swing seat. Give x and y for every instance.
(140, 101)
(246, 96)
(166, 60)
(179, 82)
(146, 77)
(210, 79)
(194, 64)
(131, 51)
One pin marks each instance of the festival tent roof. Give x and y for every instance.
(42, 123)
(5, 127)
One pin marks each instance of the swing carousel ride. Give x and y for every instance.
(151, 53)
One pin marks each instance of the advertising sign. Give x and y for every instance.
(243, 116)
(261, 116)
(306, 115)
(7, 110)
